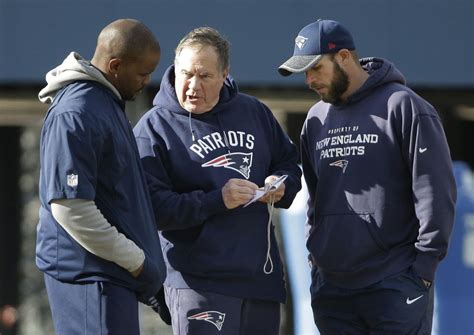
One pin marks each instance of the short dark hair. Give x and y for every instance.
(207, 36)
(127, 39)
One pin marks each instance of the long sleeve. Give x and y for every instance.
(84, 222)
(285, 161)
(309, 175)
(174, 210)
(433, 185)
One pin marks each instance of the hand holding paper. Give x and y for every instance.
(261, 193)
(237, 192)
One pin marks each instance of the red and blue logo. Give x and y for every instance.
(237, 161)
(214, 317)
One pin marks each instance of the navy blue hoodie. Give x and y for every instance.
(380, 182)
(188, 158)
(86, 134)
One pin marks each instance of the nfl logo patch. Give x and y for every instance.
(72, 180)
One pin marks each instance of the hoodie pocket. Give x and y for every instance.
(234, 247)
(345, 242)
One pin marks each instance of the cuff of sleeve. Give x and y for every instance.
(213, 203)
(148, 280)
(291, 189)
(425, 266)
(138, 260)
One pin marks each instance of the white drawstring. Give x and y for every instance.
(191, 127)
(269, 241)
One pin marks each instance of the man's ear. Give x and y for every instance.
(225, 73)
(114, 65)
(344, 56)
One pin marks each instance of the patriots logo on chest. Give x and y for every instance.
(342, 163)
(237, 161)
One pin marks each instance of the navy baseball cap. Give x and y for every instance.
(315, 40)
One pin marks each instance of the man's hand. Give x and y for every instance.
(277, 194)
(137, 272)
(238, 192)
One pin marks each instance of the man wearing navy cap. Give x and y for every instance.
(381, 189)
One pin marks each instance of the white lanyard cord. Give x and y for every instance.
(269, 241)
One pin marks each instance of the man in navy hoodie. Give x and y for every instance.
(206, 149)
(97, 243)
(381, 189)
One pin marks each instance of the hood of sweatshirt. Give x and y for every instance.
(381, 72)
(167, 98)
(72, 69)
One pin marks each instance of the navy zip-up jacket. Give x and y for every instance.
(380, 182)
(188, 158)
(88, 151)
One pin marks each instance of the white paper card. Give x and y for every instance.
(270, 187)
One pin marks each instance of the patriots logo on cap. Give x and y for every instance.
(214, 317)
(237, 161)
(341, 163)
(300, 41)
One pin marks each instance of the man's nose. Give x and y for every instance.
(147, 80)
(309, 77)
(193, 82)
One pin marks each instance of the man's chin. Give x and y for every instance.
(321, 96)
(133, 97)
(192, 108)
